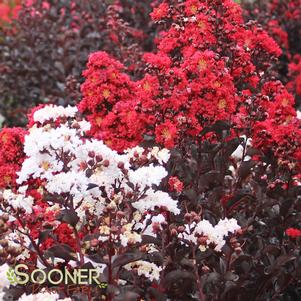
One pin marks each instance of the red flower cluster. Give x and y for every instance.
(295, 75)
(11, 155)
(9, 10)
(282, 141)
(201, 73)
(110, 102)
(281, 19)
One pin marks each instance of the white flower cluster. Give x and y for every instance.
(147, 176)
(213, 234)
(51, 112)
(70, 163)
(162, 155)
(144, 268)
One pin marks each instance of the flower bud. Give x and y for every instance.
(11, 261)
(120, 214)
(91, 154)
(174, 232)
(114, 229)
(91, 162)
(120, 165)
(5, 217)
(83, 165)
(106, 163)
(94, 242)
(181, 229)
(202, 240)
(3, 253)
(98, 158)
(188, 217)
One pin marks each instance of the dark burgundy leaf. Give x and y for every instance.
(68, 216)
(245, 168)
(61, 251)
(126, 258)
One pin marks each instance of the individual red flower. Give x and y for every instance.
(293, 232)
(166, 134)
(65, 235)
(8, 175)
(175, 184)
(160, 12)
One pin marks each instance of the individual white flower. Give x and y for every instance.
(39, 166)
(162, 155)
(93, 203)
(100, 267)
(51, 112)
(226, 226)
(129, 236)
(17, 239)
(131, 152)
(20, 200)
(299, 114)
(121, 282)
(2, 119)
(147, 176)
(148, 269)
(156, 199)
(55, 260)
(238, 153)
(85, 126)
(148, 222)
(151, 248)
(215, 234)
(24, 255)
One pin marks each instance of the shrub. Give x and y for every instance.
(74, 195)
(45, 50)
(209, 89)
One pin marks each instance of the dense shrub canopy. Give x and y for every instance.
(179, 180)
(44, 51)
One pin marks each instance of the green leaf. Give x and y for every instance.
(11, 276)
